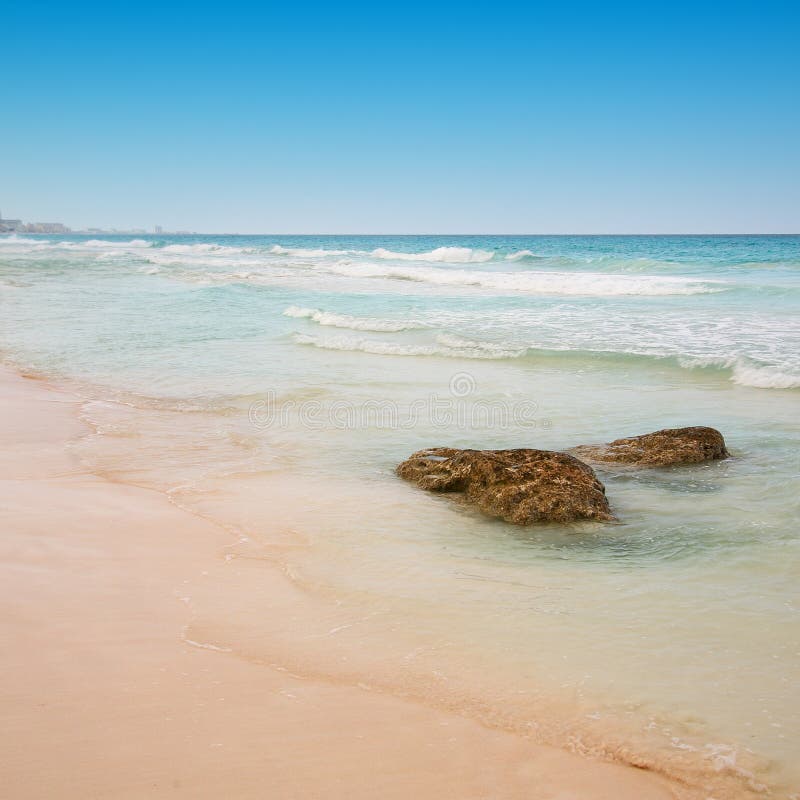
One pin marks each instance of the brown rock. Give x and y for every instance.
(660, 449)
(519, 486)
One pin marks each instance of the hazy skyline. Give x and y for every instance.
(403, 119)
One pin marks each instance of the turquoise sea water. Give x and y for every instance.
(722, 303)
(288, 375)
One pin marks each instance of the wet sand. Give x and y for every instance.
(105, 696)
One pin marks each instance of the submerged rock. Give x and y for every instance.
(671, 446)
(519, 486)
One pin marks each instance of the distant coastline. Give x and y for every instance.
(57, 227)
(18, 226)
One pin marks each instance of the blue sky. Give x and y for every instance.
(402, 118)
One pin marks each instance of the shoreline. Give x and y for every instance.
(107, 696)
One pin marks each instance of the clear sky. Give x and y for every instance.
(402, 117)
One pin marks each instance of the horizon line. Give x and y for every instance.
(141, 232)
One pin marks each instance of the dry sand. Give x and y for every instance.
(103, 697)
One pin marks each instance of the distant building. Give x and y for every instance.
(9, 225)
(17, 226)
(45, 227)
(158, 229)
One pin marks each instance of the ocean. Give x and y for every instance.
(272, 384)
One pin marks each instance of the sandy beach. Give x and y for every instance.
(104, 696)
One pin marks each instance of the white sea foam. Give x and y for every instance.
(14, 240)
(485, 349)
(521, 254)
(166, 261)
(202, 249)
(89, 244)
(739, 370)
(382, 265)
(747, 373)
(449, 255)
(198, 260)
(330, 319)
(366, 345)
(306, 252)
(555, 283)
(764, 377)
(450, 347)
(104, 244)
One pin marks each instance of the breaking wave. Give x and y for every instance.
(522, 255)
(279, 250)
(13, 239)
(447, 346)
(103, 244)
(555, 283)
(202, 249)
(739, 370)
(448, 255)
(332, 320)
(745, 372)
(764, 377)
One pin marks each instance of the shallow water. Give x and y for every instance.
(273, 383)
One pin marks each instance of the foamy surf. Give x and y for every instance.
(103, 244)
(535, 283)
(444, 345)
(203, 249)
(746, 372)
(549, 349)
(764, 377)
(306, 252)
(329, 319)
(448, 255)
(14, 240)
(522, 255)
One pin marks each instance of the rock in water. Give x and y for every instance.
(671, 446)
(519, 486)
